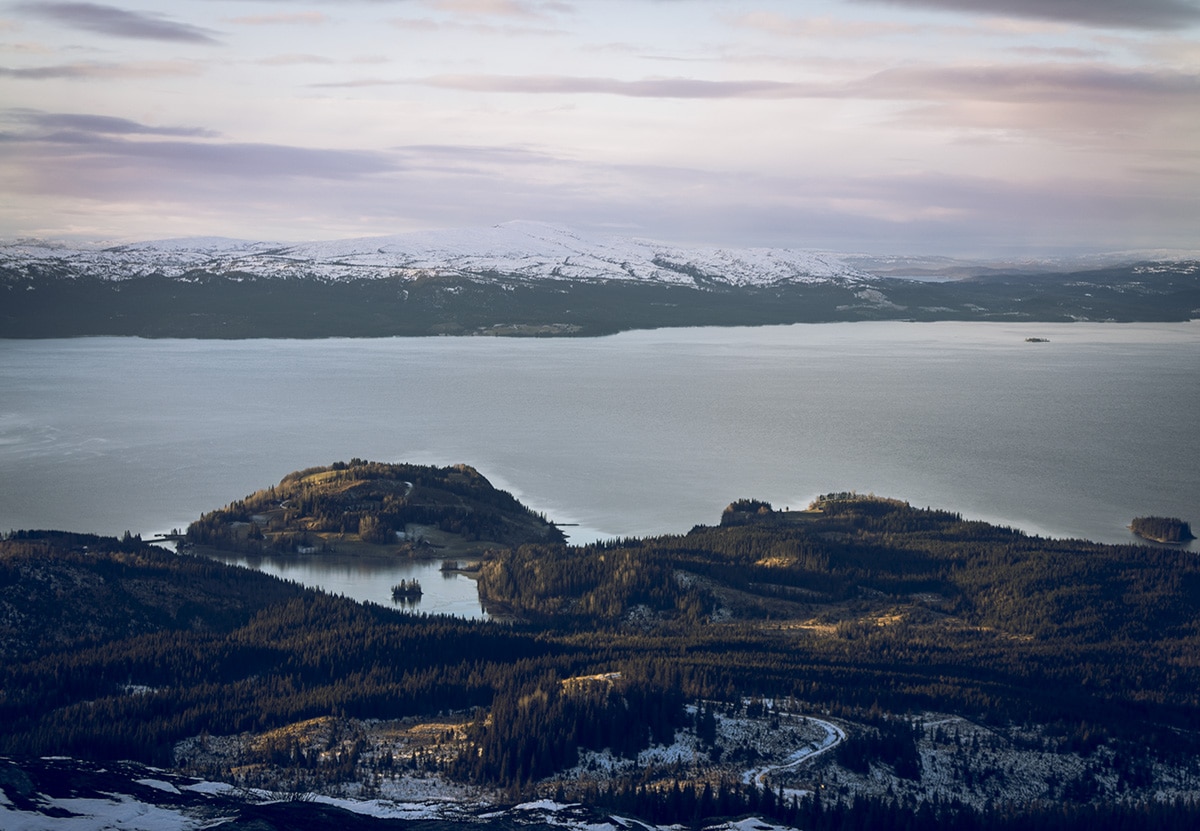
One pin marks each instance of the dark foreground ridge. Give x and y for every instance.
(859, 664)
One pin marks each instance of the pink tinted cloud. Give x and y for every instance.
(295, 59)
(1022, 83)
(499, 8)
(819, 27)
(643, 88)
(297, 18)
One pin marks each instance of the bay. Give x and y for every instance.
(370, 579)
(635, 434)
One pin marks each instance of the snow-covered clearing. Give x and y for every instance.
(118, 813)
(83, 796)
(750, 743)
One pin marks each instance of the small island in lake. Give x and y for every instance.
(1162, 529)
(407, 590)
(373, 509)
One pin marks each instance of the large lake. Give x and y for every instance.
(635, 434)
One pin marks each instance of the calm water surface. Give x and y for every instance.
(636, 434)
(367, 579)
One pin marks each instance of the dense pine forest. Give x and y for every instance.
(861, 609)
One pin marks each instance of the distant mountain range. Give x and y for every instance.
(524, 278)
(529, 250)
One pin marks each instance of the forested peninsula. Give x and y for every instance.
(942, 672)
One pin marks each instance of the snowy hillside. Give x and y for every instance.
(529, 250)
(531, 279)
(62, 794)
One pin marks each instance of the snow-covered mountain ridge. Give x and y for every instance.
(536, 280)
(528, 250)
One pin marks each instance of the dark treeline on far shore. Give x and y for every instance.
(47, 301)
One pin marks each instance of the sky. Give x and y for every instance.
(962, 127)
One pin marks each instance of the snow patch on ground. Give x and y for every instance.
(753, 824)
(754, 744)
(159, 785)
(392, 809)
(211, 788)
(120, 813)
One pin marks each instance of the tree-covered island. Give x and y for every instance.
(372, 507)
(1162, 529)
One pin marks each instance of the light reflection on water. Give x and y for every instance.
(370, 579)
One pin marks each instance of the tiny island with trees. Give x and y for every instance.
(407, 591)
(1162, 529)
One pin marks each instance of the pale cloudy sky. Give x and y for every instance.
(951, 126)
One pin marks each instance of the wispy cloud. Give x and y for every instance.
(154, 173)
(293, 19)
(460, 158)
(1120, 14)
(102, 71)
(27, 48)
(1064, 52)
(1175, 51)
(472, 25)
(644, 88)
(108, 152)
(820, 27)
(136, 174)
(1005, 82)
(252, 160)
(357, 83)
(893, 123)
(499, 8)
(1030, 83)
(101, 124)
(294, 60)
(432, 184)
(110, 20)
